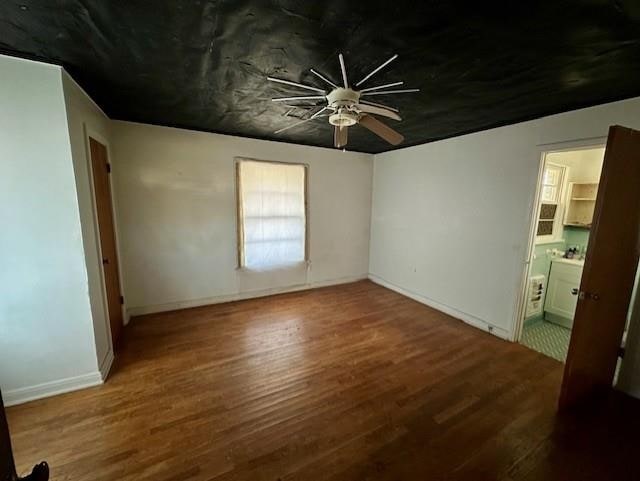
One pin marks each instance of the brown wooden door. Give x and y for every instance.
(608, 274)
(102, 190)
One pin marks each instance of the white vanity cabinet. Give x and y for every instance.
(562, 291)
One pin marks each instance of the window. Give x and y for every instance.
(552, 183)
(550, 206)
(272, 220)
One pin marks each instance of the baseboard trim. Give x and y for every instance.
(106, 364)
(463, 316)
(52, 388)
(174, 306)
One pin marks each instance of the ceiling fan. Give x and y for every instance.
(345, 106)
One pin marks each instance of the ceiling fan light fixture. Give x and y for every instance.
(343, 119)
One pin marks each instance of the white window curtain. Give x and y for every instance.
(272, 214)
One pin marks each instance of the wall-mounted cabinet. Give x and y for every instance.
(581, 202)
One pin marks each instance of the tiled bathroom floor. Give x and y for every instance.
(547, 338)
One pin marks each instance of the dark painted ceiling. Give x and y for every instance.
(202, 64)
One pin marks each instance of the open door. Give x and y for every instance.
(102, 190)
(608, 274)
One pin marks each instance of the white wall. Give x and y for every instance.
(177, 216)
(84, 118)
(46, 332)
(451, 219)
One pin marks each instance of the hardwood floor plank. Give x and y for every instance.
(352, 382)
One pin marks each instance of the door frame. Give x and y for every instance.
(90, 133)
(534, 209)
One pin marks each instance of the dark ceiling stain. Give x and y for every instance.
(202, 64)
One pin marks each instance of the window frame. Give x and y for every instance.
(561, 169)
(558, 221)
(240, 263)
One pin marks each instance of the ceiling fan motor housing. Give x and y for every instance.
(343, 102)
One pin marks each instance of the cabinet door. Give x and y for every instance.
(562, 294)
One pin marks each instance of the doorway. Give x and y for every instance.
(609, 265)
(101, 170)
(563, 214)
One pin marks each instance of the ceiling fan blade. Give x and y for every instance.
(384, 112)
(295, 84)
(295, 124)
(376, 104)
(340, 136)
(381, 130)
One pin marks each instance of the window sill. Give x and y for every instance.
(280, 267)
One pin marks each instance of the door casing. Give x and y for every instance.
(534, 209)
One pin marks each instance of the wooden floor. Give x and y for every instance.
(352, 382)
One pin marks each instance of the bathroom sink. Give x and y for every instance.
(574, 262)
